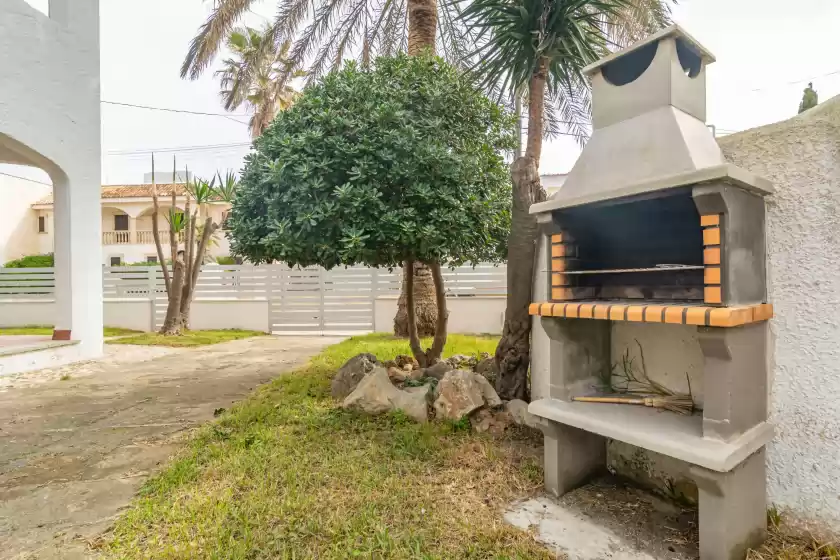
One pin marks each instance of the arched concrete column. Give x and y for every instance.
(77, 238)
(78, 270)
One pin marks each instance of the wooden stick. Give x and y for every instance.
(610, 400)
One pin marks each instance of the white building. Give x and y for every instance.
(126, 221)
(50, 119)
(552, 182)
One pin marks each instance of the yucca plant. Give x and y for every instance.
(537, 49)
(227, 186)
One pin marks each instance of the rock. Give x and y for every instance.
(402, 361)
(518, 410)
(438, 370)
(397, 375)
(460, 361)
(491, 398)
(375, 395)
(494, 422)
(488, 368)
(458, 394)
(351, 373)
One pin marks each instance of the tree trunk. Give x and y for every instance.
(172, 324)
(422, 25)
(434, 353)
(513, 354)
(426, 357)
(424, 302)
(536, 101)
(413, 337)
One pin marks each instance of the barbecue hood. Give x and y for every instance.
(652, 224)
(649, 130)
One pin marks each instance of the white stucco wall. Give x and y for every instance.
(49, 118)
(133, 314)
(209, 314)
(18, 222)
(802, 158)
(468, 315)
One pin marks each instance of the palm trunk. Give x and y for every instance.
(422, 27)
(424, 302)
(513, 353)
(432, 355)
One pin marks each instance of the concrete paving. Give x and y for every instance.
(76, 442)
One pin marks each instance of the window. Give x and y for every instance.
(42, 224)
(121, 222)
(116, 261)
(151, 260)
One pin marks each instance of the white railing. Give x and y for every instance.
(116, 237)
(27, 283)
(147, 237)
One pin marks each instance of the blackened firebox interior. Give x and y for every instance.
(637, 248)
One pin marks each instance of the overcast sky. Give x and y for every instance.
(767, 51)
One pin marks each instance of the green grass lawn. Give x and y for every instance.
(47, 330)
(187, 339)
(286, 473)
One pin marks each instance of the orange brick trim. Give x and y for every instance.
(710, 220)
(702, 316)
(711, 236)
(711, 255)
(712, 294)
(712, 275)
(562, 253)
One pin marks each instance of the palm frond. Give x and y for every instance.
(211, 34)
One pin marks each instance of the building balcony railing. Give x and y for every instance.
(147, 237)
(116, 237)
(140, 237)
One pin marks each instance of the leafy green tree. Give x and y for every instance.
(538, 49)
(257, 76)
(334, 29)
(809, 98)
(380, 166)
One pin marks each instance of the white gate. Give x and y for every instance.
(317, 301)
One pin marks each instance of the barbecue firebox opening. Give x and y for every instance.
(638, 248)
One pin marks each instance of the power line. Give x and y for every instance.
(25, 179)
(797, 81)
(177, 149)
(169, 110)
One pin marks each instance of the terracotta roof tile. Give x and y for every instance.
(132, 191)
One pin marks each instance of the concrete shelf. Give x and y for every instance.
(674, 435)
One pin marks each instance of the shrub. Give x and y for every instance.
(32, 261)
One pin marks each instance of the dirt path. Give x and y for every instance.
(76, 442)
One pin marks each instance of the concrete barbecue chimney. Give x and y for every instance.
(649, 112)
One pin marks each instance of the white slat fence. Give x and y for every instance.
(300, 300)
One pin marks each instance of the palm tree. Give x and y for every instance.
(335, 28)
(257, 75)
(539, 48)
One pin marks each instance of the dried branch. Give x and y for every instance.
(156, 231)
